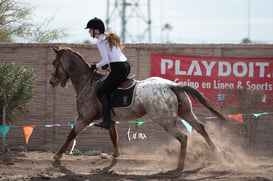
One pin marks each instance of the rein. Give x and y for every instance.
(85, 84)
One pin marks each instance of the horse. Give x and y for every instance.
(162, 100)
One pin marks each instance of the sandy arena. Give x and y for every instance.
(200, 164)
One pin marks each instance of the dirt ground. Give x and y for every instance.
(200, 164)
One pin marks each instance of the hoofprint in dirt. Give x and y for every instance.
(199, 166)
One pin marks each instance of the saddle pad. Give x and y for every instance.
(122, 97)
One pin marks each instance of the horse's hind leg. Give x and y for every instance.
(114, 138)
(175, 131)
(78, 127)
(199, 127)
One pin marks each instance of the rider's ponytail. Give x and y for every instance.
(113, 39)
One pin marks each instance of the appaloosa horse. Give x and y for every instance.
(162, 100)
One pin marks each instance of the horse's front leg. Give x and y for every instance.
(78, 127)
(114, 138)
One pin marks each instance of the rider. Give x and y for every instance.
(109, 46)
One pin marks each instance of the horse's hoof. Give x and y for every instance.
(57, 157)
(179, 168)
(115, 155)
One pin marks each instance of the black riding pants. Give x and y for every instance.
(119, 72)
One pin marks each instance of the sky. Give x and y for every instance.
(191, 21)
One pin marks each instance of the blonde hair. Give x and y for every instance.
(113, 39)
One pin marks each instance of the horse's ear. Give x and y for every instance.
(56, 49)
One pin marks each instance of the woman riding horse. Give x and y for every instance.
(163, 101)
(109, 45)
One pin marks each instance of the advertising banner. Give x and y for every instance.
(211, 75)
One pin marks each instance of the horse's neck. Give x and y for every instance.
(79, 73)
(79, 80)
(85, 79)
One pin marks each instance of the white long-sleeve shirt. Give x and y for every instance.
(108, 55)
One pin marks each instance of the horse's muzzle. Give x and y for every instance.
(53, 82)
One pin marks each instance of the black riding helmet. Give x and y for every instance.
(96, 23)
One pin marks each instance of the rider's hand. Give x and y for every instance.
(105, 67)
(93, 67)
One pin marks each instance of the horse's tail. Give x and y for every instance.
(196, 95)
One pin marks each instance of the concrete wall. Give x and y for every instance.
(57, 106)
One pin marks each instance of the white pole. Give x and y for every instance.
(73, 146)
(248, 19)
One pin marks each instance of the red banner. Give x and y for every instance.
(210, 75)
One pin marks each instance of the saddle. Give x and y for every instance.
(123, 95)
(127, 83)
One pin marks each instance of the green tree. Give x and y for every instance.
(42, 34)
(16, 90)
(246, 40)
(15, 21)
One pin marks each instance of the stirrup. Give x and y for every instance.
(103, 125)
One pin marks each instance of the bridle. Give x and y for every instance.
(60, 65)
(56, 74)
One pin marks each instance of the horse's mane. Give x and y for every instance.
(77, 54)
(97, 74)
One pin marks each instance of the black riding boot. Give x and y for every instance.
(106, 124)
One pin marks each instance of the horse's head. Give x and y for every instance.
(59, 74)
